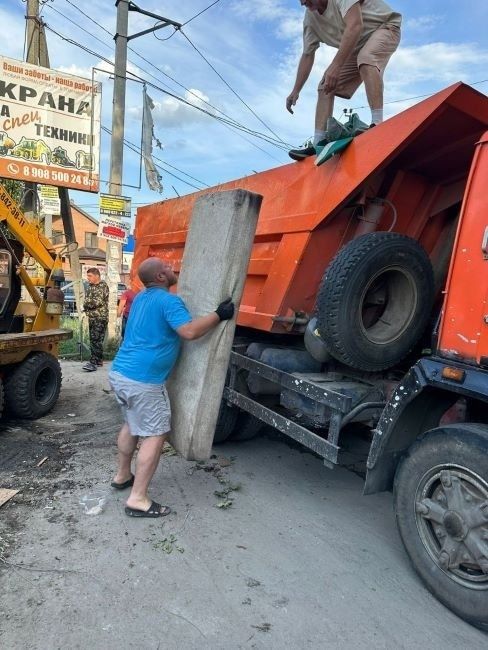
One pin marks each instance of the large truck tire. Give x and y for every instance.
(441, 507)
(226, 422)
(247, 427)
(375, 300)
(32, 388)
(2, 397)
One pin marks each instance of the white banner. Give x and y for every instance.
(113, 229)
(50, 203)
(49, 126)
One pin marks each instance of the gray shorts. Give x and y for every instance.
(146, 407)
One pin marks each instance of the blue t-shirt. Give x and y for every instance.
(151, 345)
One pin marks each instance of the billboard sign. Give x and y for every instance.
(113, 229)
(115, 206)
(49, 126)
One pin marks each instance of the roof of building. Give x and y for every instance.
(85, 214)
(91, 253)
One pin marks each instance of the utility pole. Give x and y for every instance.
(114, 249)
(37, 54)
(31, 56)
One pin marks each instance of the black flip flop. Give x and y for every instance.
(154, 510)
(122, 486)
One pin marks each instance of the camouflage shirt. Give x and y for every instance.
(96, 301)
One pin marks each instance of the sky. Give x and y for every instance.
(254, 45)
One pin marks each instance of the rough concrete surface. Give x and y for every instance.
(218, 221)
(299, 559)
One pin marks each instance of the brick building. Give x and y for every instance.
(91, 249)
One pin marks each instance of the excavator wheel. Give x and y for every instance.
(32, 388)
(375, 300)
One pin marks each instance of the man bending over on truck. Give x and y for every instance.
(366, 33)
(96, 308)
(158, 320)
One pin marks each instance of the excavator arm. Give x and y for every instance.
(47, 308)
(27, 233)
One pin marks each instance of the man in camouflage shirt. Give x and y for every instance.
(96, 308)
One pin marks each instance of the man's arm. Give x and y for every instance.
(120, 307)
(200, 326)
(305, 66)
(352, 32)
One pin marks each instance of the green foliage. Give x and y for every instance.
(71, 348)
(14, 188)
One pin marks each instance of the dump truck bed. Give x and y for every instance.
(417, 163)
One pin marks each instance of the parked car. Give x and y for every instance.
(121, 287)
(69, 297)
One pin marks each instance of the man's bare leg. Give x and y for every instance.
(147, 462)
(126, 445)
(373, 84)
(324, 110)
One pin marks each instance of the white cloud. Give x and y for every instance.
(422, 23)
(436, 62)
(170, 113)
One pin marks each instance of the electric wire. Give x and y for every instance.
(136, 149)
(200, 13)
(135, 77)
(232, 90)
(161, 72)
(407, 99)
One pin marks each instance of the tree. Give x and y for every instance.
(14, 188)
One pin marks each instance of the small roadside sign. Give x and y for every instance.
(115, 206)
(49, 198)
(113, 229)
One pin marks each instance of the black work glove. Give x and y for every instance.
(225, 311)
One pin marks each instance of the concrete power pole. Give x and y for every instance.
(114, 249)
(37, 54)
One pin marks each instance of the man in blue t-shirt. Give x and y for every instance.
(158, 321)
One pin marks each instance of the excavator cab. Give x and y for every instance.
(10, 289)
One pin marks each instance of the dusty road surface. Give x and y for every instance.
(298, 559)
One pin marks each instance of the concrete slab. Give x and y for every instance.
(214, 268)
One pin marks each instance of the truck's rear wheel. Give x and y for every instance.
(32, 388)
(441, 506)
(2, 397)
(246, 428)
(226, 421)
(375, 300)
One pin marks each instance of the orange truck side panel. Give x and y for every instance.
(464, 326)
(418, 161)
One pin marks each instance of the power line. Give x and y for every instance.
(185, 23)
(136, 149)
(238, 125)
(231, 89)
(135, 77)
(407, 99)
(200, 12)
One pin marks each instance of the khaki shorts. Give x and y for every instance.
(376, 52)
(145, 407)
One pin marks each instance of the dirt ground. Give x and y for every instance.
(266, 547)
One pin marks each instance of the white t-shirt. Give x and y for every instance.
(329, 27)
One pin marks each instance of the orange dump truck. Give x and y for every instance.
(366, 304)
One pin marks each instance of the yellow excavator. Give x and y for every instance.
(30, 374)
